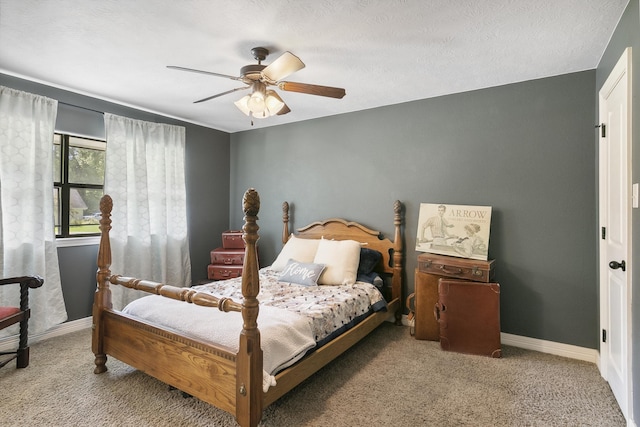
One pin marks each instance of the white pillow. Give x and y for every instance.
(341, 258)
(302, 250)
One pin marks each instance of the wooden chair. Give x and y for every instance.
(12, 315)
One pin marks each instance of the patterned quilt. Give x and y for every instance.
(332, 309)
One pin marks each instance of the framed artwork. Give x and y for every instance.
(455, 230)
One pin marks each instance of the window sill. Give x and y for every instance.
(77, 241)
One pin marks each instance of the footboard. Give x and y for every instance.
(228, 380)
(197, 368)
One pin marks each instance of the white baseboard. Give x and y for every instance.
(550, 347)
(10, 343)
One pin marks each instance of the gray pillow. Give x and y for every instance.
(305, 274)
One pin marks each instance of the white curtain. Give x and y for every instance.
(144, 176)
(27, 236)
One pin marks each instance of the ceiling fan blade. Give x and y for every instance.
(174, 67)
(284, 110)
(221, 94)
(331, 92)
(285, 65)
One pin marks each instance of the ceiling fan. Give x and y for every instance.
(264, 102)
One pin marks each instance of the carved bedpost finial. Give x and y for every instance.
(397, 221)
(104, 253)
(251, 202)
(397, 207)
(285, 222)
(106, 204)
(250, 285)
(251, 207)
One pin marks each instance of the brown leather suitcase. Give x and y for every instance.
(469, 317)
(223, 272)
(232, 239)
(462, 268)
(421, 304)
(222, 256)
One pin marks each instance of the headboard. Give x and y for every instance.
(340, 229)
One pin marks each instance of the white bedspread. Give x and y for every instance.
(282, 333)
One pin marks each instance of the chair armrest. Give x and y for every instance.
(24, 281)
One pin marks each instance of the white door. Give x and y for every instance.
(615, 229)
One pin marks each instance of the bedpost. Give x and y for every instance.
(102, 296)
(285, 222)
(249, 394)
(398, 256)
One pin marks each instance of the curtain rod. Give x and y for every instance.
(84, 108)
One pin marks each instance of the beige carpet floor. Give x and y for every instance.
(388, 379)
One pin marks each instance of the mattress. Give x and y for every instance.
(293, 319)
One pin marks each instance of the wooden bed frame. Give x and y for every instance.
(228, 380)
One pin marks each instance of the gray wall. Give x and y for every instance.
(628, 34)
(526, 149)
(207, 182)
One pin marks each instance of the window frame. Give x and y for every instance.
(64, 188)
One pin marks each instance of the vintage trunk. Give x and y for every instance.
(462, 268)
(223, 272)
(425, 298)
(232, 239)
(469, 317)
(226, 261)
(222, 256)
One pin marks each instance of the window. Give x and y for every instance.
(78, 184)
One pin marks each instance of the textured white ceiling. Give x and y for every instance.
(382, 52)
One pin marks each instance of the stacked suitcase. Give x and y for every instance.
(227, 261)
(456, 302)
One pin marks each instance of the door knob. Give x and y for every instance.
(616, 265)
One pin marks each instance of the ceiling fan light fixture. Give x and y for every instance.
(260, 104)
(256, 102)
(273, 103)
(243, 104)
(262, 115)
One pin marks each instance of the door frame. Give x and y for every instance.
(621, 70)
